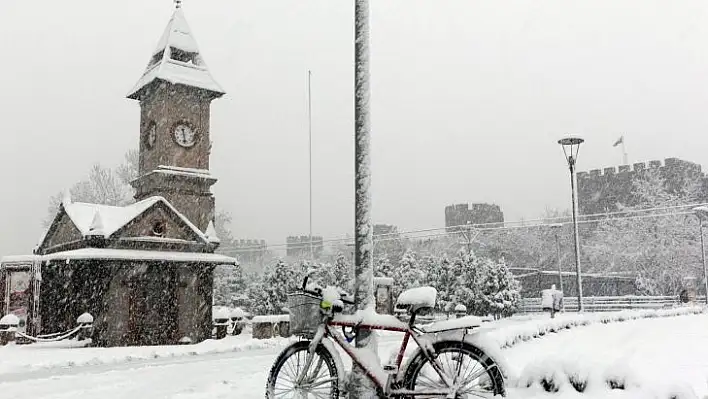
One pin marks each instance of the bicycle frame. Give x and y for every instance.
(374, 372)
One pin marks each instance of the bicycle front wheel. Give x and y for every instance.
(321, 380)
(475, 374)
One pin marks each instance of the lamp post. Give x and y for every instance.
(556, 227)
(702, 213)
(571, 146)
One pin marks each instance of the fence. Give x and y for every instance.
(608, 303)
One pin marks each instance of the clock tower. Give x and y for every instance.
(175, 94)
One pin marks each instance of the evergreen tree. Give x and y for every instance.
(407, 274)
(500, 290)
(270, 293)
(472, 272)
(383, 266)
(343, 272)
(445, 281)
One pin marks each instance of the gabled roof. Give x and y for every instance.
(105, 220)
(166, 64)
(112, 218)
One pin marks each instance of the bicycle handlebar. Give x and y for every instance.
(319, 292)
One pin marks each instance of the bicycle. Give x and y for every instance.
(312, 367)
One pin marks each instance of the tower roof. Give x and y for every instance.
(177, 60)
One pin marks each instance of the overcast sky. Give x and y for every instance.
(468, 100)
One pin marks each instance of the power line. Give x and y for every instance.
(413, 233)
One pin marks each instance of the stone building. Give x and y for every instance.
(248, 251)
(601, 190)
(299, 246)
(462, 214)
(145, 271)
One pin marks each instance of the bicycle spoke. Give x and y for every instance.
(318, 380)
(467, 372)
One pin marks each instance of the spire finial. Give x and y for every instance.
(178, 3)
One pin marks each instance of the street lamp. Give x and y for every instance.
(571, 146)
(556, 227)
(702, 213)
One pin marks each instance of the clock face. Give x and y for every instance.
(151, 135)
(184, 135)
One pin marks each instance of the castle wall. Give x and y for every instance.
(462, 214)
(299, 246)
(601, 191)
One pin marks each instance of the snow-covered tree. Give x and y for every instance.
(469, 288)
(343, 272)
(658, 247)
(230, 285)
(445, 279)
(407, 274)
(383, 266)
(269, 293)
(500, 290)
(102, 186)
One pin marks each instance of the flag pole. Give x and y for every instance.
(625, 158)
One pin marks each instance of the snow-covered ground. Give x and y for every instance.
(651, 357)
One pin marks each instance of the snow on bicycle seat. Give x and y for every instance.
(416, 299)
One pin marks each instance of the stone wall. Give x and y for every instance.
(299, 246)
(601, 190)
(462, 214)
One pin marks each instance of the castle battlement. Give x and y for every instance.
(478, 213)
(673, 164)
(248, 243)
(601, 190)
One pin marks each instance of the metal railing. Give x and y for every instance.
(608, 303)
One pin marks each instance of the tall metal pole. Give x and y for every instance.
(703, 255)
(309, 128)
(363, 265)
(573, 184)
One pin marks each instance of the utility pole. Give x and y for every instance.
(309, 128)
(363, 238)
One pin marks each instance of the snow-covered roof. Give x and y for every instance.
(177, 34)
(18, 259)
(104, 220)
(211, 233)
(112, 218)
(110, 254)
(177, 37)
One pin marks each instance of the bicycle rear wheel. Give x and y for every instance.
(322, 378)
(478, 375)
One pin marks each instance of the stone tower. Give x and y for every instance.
(175, 94)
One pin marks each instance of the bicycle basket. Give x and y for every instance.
(304, 313)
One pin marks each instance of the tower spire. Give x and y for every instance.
(177, 60)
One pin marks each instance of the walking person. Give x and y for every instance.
(547, 300)
(557, 300)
